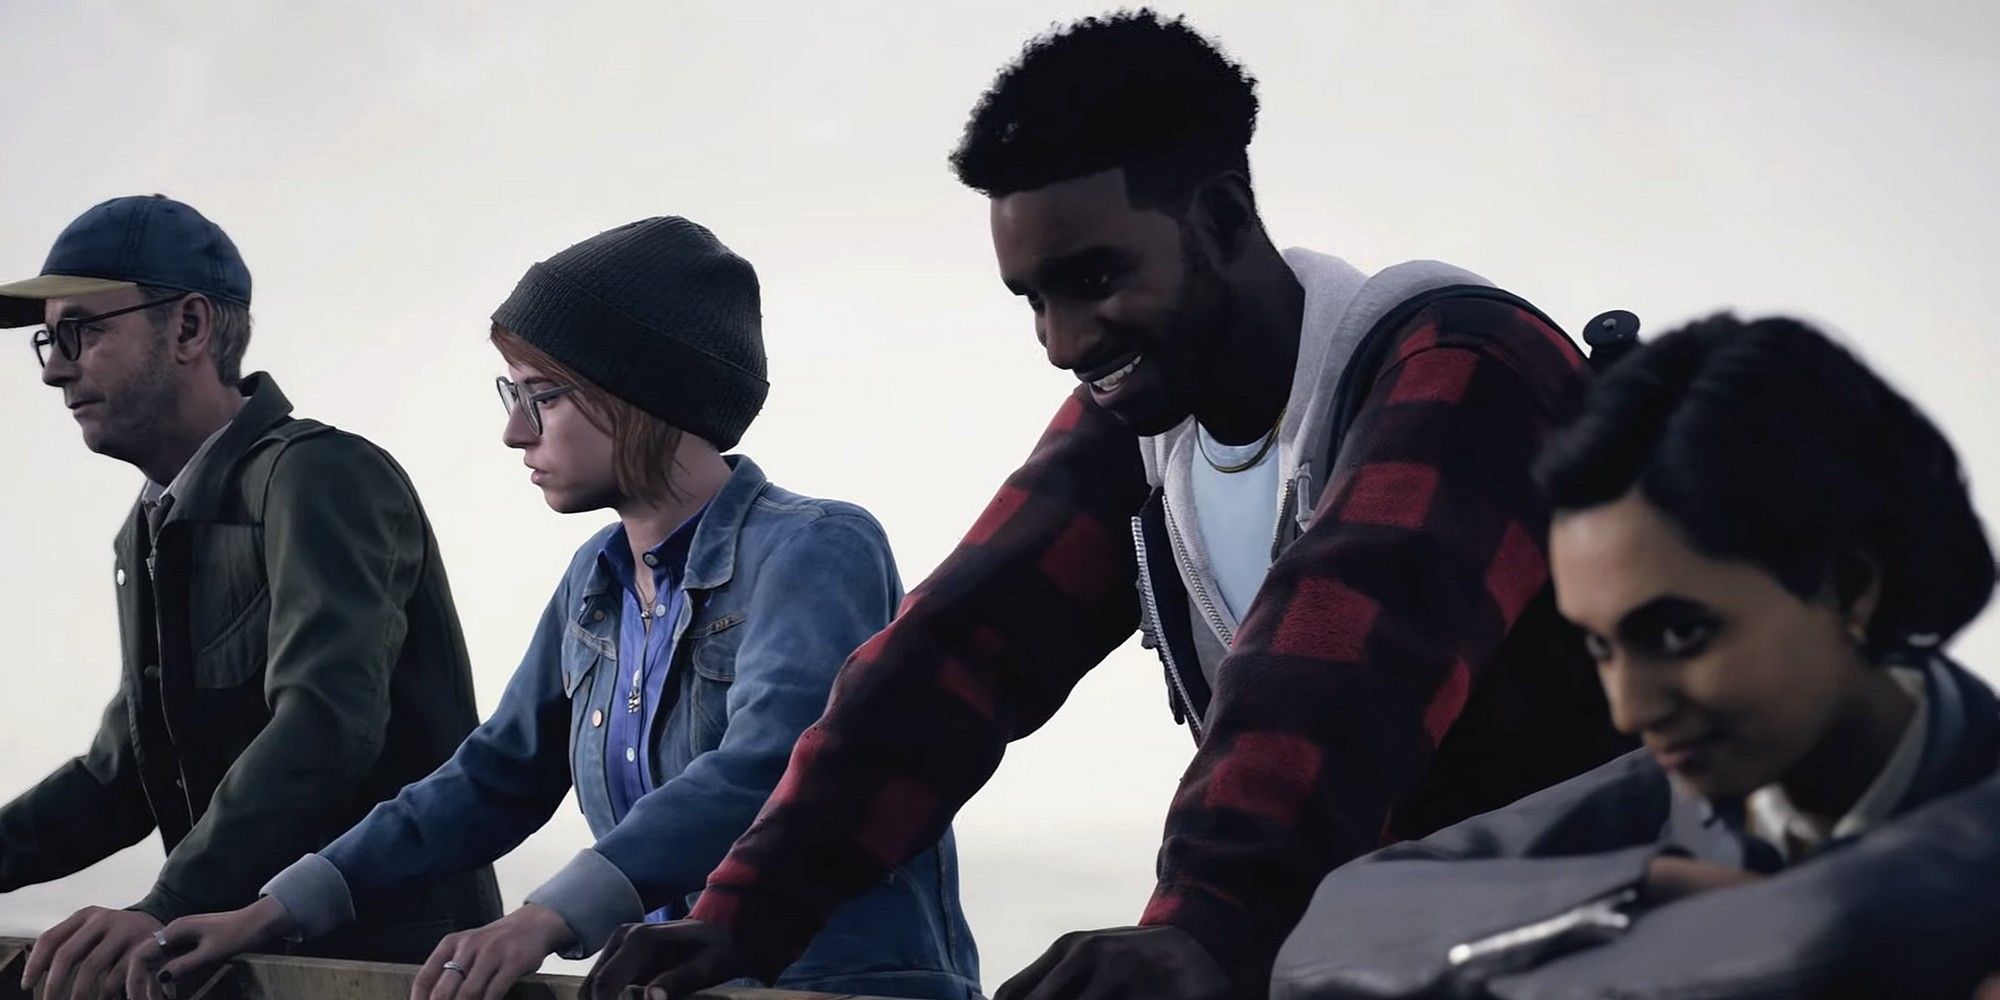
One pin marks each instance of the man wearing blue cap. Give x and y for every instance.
(291, 652)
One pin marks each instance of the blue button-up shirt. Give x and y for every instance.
(644, 659)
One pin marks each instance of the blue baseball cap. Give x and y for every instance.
(125, 243)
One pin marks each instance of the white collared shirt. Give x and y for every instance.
(1772, 817)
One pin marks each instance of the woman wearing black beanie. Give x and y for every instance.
(1767, 548)
(684, 650)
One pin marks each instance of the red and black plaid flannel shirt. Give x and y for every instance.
(1356, 657)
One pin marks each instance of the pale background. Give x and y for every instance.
(390, 172)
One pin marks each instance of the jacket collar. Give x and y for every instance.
(201, 499)
(711, 558)
(1964, 737)
(712, 554)
(1962, 746)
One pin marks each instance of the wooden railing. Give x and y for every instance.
(284, 977)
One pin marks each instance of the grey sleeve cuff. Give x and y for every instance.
(314, 894)
(593, 897)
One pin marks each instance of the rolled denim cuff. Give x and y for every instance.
(593, 897)
(314, 894)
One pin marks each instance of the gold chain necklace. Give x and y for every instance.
(1270, 436)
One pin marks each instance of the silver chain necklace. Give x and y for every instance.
(1270, 437)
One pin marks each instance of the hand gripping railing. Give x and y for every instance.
(285, 977)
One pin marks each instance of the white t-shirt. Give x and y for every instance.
(1237, 514)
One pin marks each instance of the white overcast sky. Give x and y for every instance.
(389, 172)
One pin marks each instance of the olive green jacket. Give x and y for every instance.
(291, 657)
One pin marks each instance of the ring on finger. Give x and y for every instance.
(160, 938)
(453, 967)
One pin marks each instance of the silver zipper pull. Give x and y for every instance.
(1597, 920)
(1302, 498)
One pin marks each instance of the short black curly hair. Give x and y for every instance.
(1126, 89)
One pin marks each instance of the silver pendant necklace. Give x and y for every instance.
(633, 697)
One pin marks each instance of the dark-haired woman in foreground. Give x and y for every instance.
(1767, 548)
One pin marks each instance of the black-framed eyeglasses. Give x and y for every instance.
(513, 398)
(67, 335)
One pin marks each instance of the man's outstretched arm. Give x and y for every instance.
(982, 653)
(86, 810)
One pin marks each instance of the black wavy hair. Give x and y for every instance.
(1126, 89)
(1767, 442)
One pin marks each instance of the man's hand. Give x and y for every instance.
(1160, 963)
(485, 963)
(197, 942)
(84, 957)
(1671, 877)
(669, 960)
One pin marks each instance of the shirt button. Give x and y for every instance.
(651, 559)
(120, 576)
(596, 718)
(631, 755)
(659, 609)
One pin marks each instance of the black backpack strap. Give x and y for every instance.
(1611, 335)
(1375, 346)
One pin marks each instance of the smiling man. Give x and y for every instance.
(1307, 488)
(291, 652)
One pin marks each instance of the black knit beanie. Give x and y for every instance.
(660, 314)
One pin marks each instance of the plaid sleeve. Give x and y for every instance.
(1363, 643)
(1040, 590)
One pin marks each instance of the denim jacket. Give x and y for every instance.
(779, 589)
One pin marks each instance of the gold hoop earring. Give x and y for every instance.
(1857, 632)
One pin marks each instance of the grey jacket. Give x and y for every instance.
(1539, 900)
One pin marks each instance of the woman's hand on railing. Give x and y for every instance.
(484, 963)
